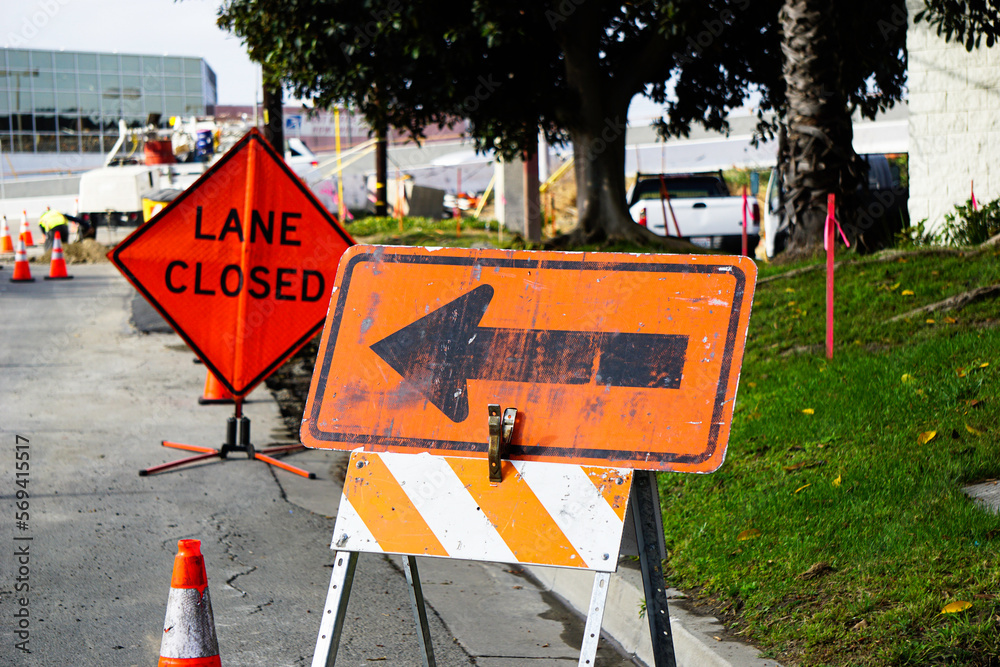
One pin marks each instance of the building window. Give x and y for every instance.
(132, 64)
(44, 102)
(69, 143)
(173, 66)
(90, 103)
(173, 84)
(45, 123)
(18, 59)
(46, 143)
(87, 62)
(22, 143)
(66, 61)
(66, 102)
(41, 80)
(108, 62)
(90, 143)
(41, 59)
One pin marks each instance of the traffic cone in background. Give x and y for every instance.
(57, 267)
(215, 393)
(22, 273)
(25, 233)
(189, 628)
(6, 244)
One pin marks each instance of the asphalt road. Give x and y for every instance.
(91, 399)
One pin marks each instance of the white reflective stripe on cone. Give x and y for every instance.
(189, 628)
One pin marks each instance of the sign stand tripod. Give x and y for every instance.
(231, 445)
(362, 527)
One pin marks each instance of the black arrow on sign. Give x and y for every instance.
(444, 349)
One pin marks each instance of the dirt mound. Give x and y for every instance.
(87, 251)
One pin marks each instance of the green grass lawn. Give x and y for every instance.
(826, 465)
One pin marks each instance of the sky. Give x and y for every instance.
(158, 27)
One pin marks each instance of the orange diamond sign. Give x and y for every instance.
(241, 264)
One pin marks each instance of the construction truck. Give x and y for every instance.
(170, 158)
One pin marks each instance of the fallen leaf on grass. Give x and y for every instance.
(906, 292)
(748, 534)
(790, 290)
(836, 482)
(929, 321)
(808, 411)
(926, 437)
(950, 320)
(752, 384)
(803, 464)
(906, 378)
(973, 431)
(955, 607)
(894, 287)
(805, 486)
(860, 625)
(817, 570)
(984, 364)
(961, 372)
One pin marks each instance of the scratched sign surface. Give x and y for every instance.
(630, 360)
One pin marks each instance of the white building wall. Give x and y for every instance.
(954, 103)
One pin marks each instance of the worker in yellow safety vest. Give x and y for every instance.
(52, 222)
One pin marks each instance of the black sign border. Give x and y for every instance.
(614, 455)
(115, 256)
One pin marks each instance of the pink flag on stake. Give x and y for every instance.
(829, 239)
(975, 204)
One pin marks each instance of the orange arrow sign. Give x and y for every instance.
(631, 360)
(241, 264)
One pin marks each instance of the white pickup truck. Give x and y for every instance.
(698, 208)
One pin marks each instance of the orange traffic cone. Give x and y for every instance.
(189, 628)
(57, 267)
(22, 273)
(6, 244)
(215, 393)
(25, 232)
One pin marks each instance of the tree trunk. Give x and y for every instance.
(381, 171)
(596, 117)
(274, 121)
(817, 157)
(599, 165)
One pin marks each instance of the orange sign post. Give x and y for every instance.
(241, 266)
(610, 367)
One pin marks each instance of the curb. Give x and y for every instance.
(695, 643)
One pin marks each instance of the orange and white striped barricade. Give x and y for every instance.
(554, 514)
(614, 363)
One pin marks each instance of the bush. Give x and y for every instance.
(967, 226)
(916, 236)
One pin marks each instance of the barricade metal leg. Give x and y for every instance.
(595, 616)
(648, 532)
(332, 624)
(419, 610)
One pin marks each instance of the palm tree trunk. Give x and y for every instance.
(818, 156)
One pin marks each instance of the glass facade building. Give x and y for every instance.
(70, 101)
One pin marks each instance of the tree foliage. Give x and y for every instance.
(965, 21)
(568, 68)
